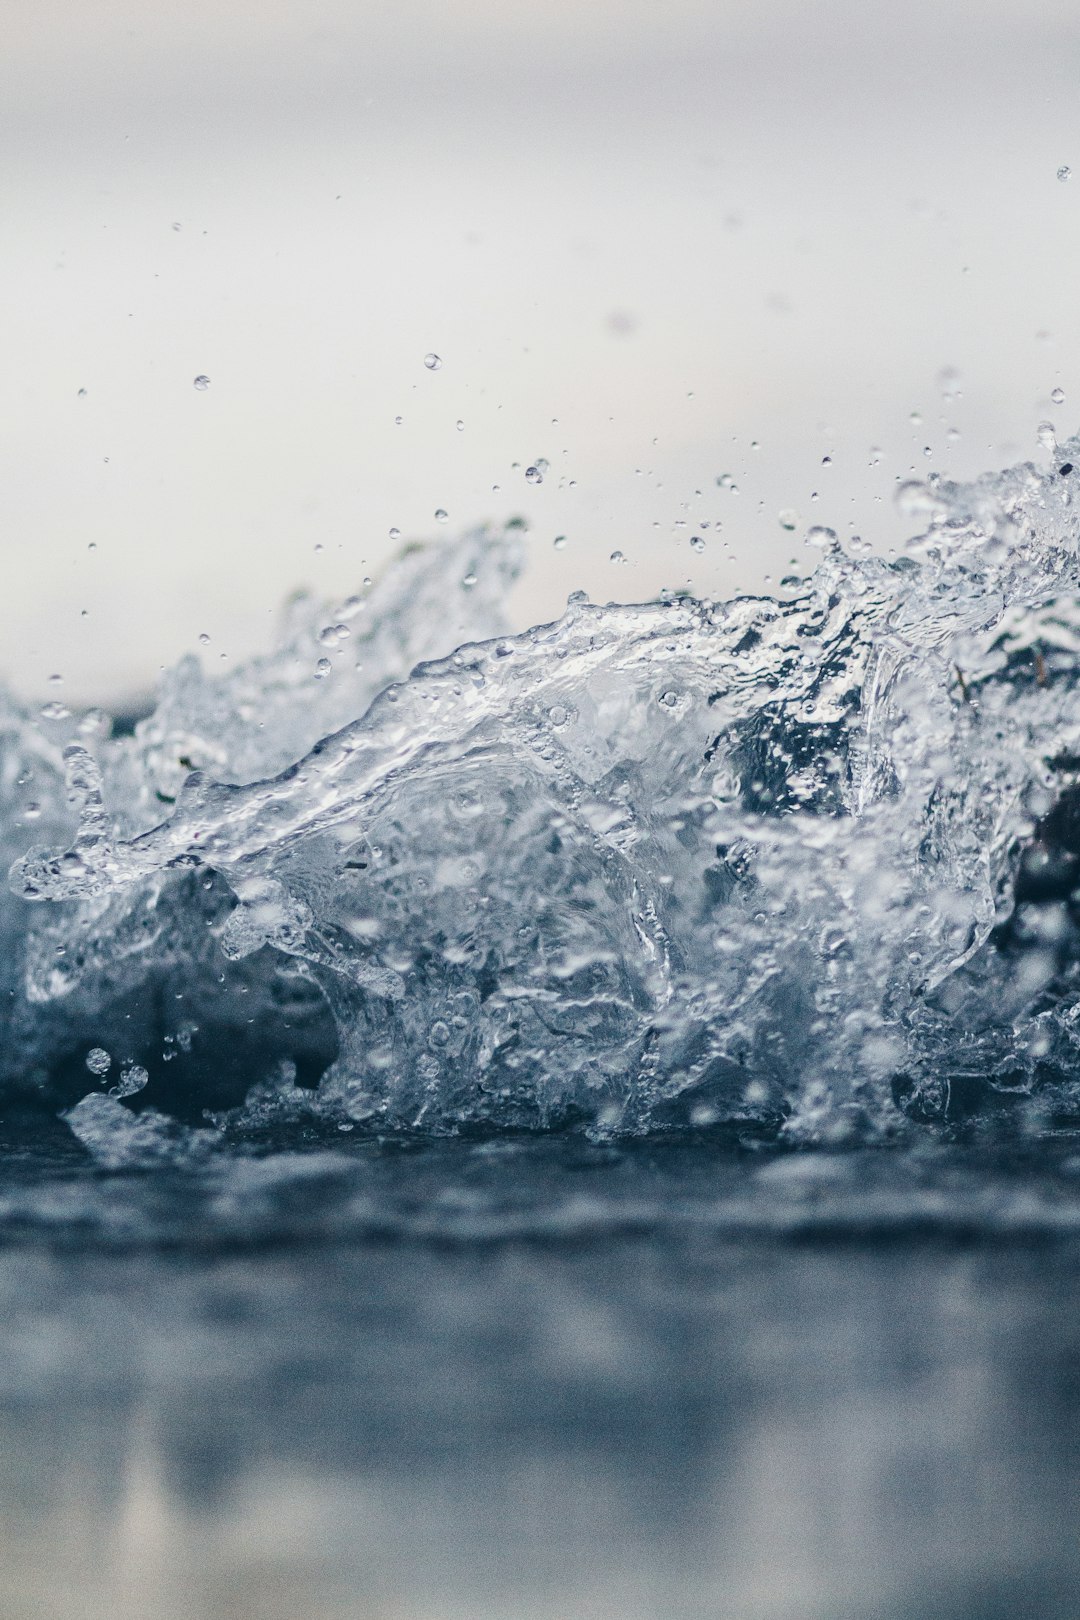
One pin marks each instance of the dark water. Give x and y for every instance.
(518, 1378)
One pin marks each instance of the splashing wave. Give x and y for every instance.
(811, 863)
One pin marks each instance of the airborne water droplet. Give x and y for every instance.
(1058, 396)
(533, 475)
(322, 669)
(821, 537)
(98, 1060)
(395, 533)
(202, 382)
(789, 519)
(433, 362)
(559, 542)
(441, 514)
(1064, 173)
(132, 1079)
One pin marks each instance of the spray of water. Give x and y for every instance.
(805, 862)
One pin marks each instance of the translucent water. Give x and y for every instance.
(800, 865)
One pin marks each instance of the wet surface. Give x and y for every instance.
(514, 1378)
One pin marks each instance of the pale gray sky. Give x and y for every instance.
(640, 238)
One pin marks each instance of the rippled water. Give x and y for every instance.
(583, 1122)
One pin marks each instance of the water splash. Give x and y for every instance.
(804, 863)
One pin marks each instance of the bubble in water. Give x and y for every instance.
(441, 514)
(202, 382)
(98, 1061)
(1064, 173)
(557, 715)
(533, 475)
(1058, 396)
(433, 362)
(322, 669)
(789, 519)
(132, 1079)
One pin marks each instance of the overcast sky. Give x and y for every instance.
(652, 245)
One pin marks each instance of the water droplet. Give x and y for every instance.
(533, 475)
(433, 362)
(55, 711)
(819, 536)
(1046, 434)
(395, 533)
(322, 669)
(669, 700)
(459, 424)
(98, 1060)
(441, 515)
(789, 519)
(616, 557)
(202, 382)
(915, 419)
(398, 421)
(176, 225)
(696, 543)
(132, 1079)
(204, 639)
(1058, 396)
(826, 461)
(328, 636)
(469, 581)
(559, 542)
(1064, 173)
(81, 394)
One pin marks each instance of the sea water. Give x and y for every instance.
(581, 1122)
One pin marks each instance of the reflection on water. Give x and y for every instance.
(636, 1418)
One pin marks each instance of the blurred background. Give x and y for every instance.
(727, 269)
